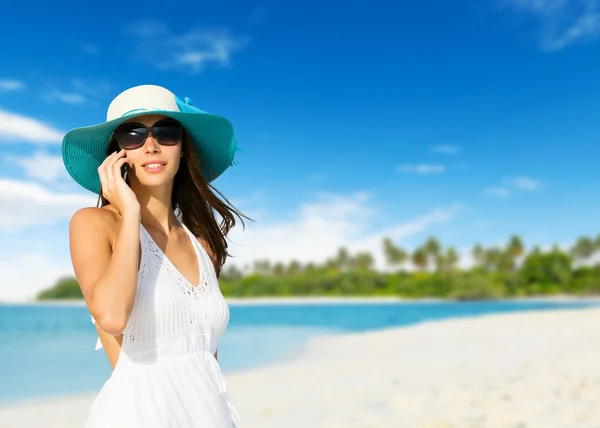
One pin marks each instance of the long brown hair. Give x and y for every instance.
(197, 202)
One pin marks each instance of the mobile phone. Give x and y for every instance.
(124, 171)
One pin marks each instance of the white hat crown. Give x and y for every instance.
(141, 98)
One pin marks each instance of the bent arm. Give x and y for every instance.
(107, 275)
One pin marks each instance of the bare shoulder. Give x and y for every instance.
(92, 232)
(94, 222)
(95, 215)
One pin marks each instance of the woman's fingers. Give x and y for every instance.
(117, 167)
(103, 179)
(110, 163)
(106, 174)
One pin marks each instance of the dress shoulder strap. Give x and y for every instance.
(196, 243)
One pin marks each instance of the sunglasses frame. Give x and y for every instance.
(148, 130)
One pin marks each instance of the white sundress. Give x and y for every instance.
(166, 375)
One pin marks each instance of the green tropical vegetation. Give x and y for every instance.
(429, 271)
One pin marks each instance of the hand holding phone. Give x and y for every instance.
(115, 188)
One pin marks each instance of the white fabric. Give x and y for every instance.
(142, 97)
(167, 375)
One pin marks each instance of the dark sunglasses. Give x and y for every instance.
(131, 136)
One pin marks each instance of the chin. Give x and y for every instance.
(156, 183)
(157, 179)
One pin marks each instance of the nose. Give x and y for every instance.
(151, 145)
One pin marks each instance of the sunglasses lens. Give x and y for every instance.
(130, 136)
(168, 133)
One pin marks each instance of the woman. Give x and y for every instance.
(148, 259)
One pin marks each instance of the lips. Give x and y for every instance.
(154, 166)
(154, 163)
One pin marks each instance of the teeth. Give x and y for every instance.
(154, 165)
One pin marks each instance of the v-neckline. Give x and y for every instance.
(171, 264)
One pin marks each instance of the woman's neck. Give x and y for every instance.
(156, 209)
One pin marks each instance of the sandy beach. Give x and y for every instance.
(533, 369)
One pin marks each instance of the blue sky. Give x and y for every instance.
(470, 120)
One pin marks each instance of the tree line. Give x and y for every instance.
(429, 271)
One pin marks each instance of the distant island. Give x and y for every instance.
(498, 272)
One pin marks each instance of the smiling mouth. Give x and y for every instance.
(154, 166)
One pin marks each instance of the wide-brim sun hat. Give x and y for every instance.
(213, 137)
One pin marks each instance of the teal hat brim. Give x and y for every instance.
(84, 149)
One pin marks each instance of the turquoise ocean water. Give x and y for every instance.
(48, 350)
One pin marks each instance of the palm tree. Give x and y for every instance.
(513, 251)
(342, 259)
(432, 246)
(441, 263)
(364, 261)
(506, 262)
(262, 267)
(419, 258)
(331, 264)
(515, 246)
(478, 253)
(536, 250)
(394, 255)
(232, 272)
(583, 248)
(279, 269)
(446, 262)
(492, 258)
(432, 250)
(452, 258)
(294, 267)
(597, 243)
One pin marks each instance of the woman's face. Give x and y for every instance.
(154, 164)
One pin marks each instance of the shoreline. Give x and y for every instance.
(239, 300)
(242, 301)
(450, 373)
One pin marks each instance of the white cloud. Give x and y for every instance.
(321, 227)
(19, 282)
(27, 265)
(524, 183)
(563, 22)
(64, 97)
(542, 7)
(191, 51)
(25, 203)
(517, 183)
(586, 27)
(91, 87)
(75, 91)
(422, 169)
(314, 234)
(373, 242)
(14, 126)
(41, 166)
(445, 149)
(250, 204)
(499, 192)
(8, 85)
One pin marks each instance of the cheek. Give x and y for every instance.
(173, 155)
(132, 157)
